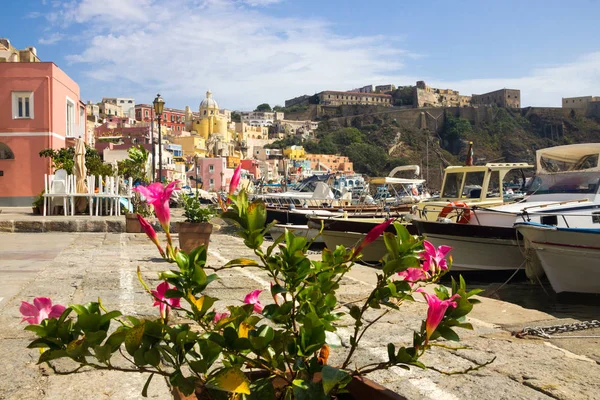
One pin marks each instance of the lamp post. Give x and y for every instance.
(222, 191)
(196, 166)
(159, 105)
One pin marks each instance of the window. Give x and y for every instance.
(211, 168)
(5, 152)
(122, 101)
(130, 101)
(147, 113)
(212, 182)
(473, 184)
(22, 105)
(70, 132)
(494, 185)
(82, 122)
(452, 185)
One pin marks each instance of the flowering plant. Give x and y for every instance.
(287, 338)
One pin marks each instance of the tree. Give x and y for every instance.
(135, 165)
(347, 136)
(278, 108)
(64, 159)
(236, 116)
(367, 158)
(263, 107)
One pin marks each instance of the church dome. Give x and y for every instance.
(209, 102)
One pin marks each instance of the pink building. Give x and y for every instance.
(252, 166)
(213, 172)
(40, 108)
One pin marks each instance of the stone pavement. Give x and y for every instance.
(75, 267)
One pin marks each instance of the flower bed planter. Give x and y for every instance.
(132, 225)
(360, 388)
(193, 234)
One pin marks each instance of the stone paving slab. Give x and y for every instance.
(82, 267)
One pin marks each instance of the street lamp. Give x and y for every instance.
(159, 105)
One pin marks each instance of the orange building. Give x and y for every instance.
(40, 108)
(334, 163)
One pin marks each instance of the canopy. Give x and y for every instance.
(396, 181)
(569, 154)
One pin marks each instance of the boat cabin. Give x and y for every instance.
(478, 184)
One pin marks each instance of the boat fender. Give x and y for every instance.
(455, 206)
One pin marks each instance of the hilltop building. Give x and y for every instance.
(126, 104)
(510, 98)
(261, 118)
(334, 98)
(581, 102)
(426, 96)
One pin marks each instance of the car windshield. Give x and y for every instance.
(575, 182)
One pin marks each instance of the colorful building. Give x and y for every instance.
(40, 108)
(172, 118)
(212, 172)
(295, 153)
(253, 167)
(331, 162)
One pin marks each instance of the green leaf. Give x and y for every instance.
(152, 356)
(333, 377)
(173, 294)
(116, 339)
(230, 380)
(37, 329)
(145, 389)
(75, 348)
(448, 333)
(133, 338)
(103, 353)
(50, 355)
(185, 385)
(108, 316)
(391, 243)
(182, 261)
(391, 352)
(257, 215)
(89, 322)
(199, 276)
(355, 311)
(241, 262)
(79, 309)
(402, 232)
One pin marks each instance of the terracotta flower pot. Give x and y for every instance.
(132, 225)
(360, 388)
(192, 235)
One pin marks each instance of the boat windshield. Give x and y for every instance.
(309, 186)
(574, 182)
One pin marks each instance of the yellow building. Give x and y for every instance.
(211, 125)
(191, 145)
(295, 153)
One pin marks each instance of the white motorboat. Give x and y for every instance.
(570, 257)
(563, 192)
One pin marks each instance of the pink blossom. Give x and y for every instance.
(41, 309)
(252, 298)
(436, 311)
(163, 302)
(435, 259)
(159, 195)
(151, 233)
(372, 236)
(235, 179)
(219, 316)
(413, 275)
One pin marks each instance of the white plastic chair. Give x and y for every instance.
(56, 186)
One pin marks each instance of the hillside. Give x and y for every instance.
(378, 142)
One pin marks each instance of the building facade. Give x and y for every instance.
(297, 101)
(333, 98)
(384, 88)
(127, 105)
(8, 53)
(331, 162)
(510, 98)
(579, 102)
(172, 118)
(40, 108)
(261, 118)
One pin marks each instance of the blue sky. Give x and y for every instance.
(253, 51)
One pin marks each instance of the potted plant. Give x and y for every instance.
(196, 229)
(140, 207)
(38, 203)
(285, 342)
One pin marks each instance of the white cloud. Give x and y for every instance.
(246, 57)
(51, 39)
(181, 48)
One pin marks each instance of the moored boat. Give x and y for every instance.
(570, 257)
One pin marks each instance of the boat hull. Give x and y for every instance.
(475, 247)
(299, 230)
(570, 257)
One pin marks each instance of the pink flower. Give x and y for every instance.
(151, 233)
(220, 316)
(235, 179)
(372, 236)
(159, 195)
(436, 311)
(163, 302)
(434, 259)
(252, 298)
(41, 309)
(413, 275)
